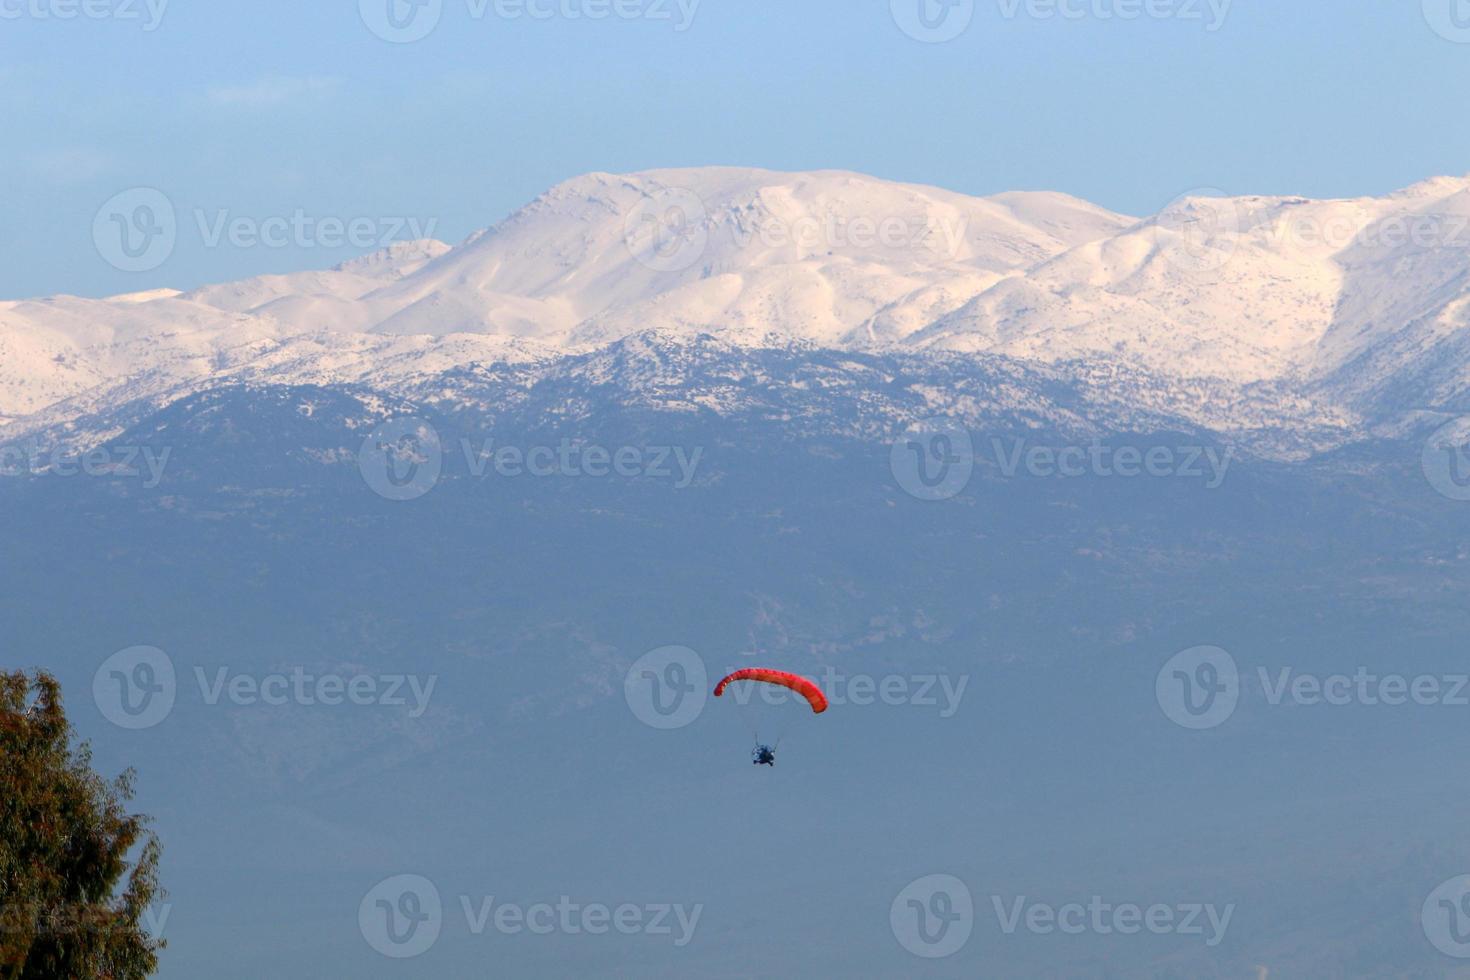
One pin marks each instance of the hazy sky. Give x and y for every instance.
(301, 111)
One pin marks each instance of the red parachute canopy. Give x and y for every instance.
(795, 682)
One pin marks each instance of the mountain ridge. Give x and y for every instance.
(1355, 305)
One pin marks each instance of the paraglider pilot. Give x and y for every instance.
(764, 755)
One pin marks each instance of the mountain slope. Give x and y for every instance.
(1245, 288)
(1357, 306)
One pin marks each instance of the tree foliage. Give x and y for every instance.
(77, 871)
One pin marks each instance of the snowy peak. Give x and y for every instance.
(297, 298)
(813, 256)
(1435, 188)
(1364, 301)
(396, 261)
(1246, 288)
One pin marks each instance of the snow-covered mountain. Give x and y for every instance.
(1328, 310)
(1246, 288)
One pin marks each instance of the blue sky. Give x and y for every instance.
(271, 108)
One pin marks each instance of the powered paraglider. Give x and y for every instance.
(792, 682)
